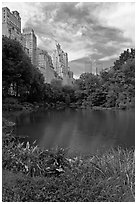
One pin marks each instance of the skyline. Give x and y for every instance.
(86, 31)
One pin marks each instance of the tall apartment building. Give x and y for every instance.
(45, 65)
(60, 63)
(97, 67)
(11, 26)
(71, 79)
(30, 41)
(11, 23)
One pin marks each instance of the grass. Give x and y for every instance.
(34, 175)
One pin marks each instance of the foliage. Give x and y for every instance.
(112, 88)
(19, 77)
(107, 177)
(37, 87)
(121, 90)
(123, 58)
(31, 160)
(16, 67)
(56, 83)
(11, 103)
(34, 175)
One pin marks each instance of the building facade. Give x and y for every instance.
(11, 26)
(51, 68)
(60, 63)
(97, 67)
(30, 41)
(71, 79)
(44, 64)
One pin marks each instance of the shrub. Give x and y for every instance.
(36, 175)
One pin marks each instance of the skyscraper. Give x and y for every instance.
(60, 61)
(11, 26)
(45, 65)
(31, 44)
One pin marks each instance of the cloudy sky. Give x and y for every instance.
(88, 32)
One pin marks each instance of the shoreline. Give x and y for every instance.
(101, 173)
(34, 108)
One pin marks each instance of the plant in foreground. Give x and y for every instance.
(48, 175)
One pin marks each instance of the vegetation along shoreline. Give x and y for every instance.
(32, 174)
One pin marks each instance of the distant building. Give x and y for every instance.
(44, 63)
(97, 67)
(71, 79)
(60, 63)
(11, 26)
(58, 69)
(30, 41)
(88, 66)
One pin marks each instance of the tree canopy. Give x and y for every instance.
(19, 76)
(114, 87)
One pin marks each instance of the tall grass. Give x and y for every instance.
(32, 174)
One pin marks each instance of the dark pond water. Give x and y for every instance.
(81, 131)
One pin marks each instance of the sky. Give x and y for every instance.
(90, 32)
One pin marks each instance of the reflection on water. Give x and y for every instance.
(80, 131)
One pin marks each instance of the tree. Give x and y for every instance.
(119, 82)
(37, 87)
(124, 57)
(56, 83)
(88, 82)
(16, 68)
(19, 77)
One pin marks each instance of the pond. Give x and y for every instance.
(81, 131)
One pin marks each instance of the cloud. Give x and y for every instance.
(108, 57)
(99, 31)
(27, 10)
(118, 15)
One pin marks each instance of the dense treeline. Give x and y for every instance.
(19, 77)
(114, 87)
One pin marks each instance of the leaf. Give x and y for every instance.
(27, 146)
